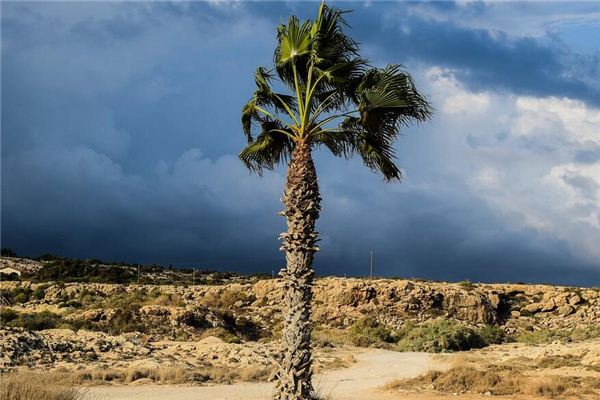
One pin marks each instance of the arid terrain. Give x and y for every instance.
(374, 338)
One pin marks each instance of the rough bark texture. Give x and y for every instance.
(302, 205)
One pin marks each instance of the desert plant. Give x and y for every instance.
(34, 321)
(368, 332)
(7, 315)
(20, 294)
(467, 285)
(340, 102)
(441, 336)
(497, 380)
(39, 386)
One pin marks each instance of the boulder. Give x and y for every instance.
(565, 311)
(534, 307)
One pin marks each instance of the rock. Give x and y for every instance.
(515, 313)
(494, 299)
(574, 299)
(550, 305)
(534, 307)
(562, 299)
(565, 311)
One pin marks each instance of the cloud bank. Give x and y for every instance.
(120, 129)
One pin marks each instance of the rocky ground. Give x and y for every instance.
(228, 332)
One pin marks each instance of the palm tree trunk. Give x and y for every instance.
(302, 205)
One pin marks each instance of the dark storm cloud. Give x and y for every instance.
(483, 59)
(120, 126)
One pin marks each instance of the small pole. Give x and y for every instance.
(193, 275)
(371, 263)
(138, 274)
(272, 274)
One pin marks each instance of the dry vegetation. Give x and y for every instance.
(504, 379)
(39, 386)
(23, 384)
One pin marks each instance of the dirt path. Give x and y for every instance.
(360, 381)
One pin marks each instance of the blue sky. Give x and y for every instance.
(120, 129)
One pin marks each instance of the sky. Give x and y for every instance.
(121, 128)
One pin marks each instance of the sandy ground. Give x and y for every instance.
(361, 380)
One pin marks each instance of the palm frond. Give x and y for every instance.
(270, 148)
(294, 42)
(249, 113)
(387, 99)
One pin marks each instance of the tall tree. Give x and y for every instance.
(320, 93)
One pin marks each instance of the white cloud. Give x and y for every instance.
(571, 119)
(518, 153)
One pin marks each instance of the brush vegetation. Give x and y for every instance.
(434, 336)
(39, 386)
(497, 380)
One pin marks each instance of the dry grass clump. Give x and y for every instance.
(497, 380)
(567, 360)
(175, 374)
(551, 386)
(167, 299)
(38, 386)
(255, 374)
(230, 298)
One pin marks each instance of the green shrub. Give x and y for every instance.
(544, 336)
(368, 332)
(36, 321)
(40, 292)
(440, 336)
(20, 294)
(72, 270)
(7, 315)
(491, 334)
(126, 320)
(467, 285)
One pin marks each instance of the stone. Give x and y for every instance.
(574, 299)
(494, 299)
(550, 305)
(565, 311)
(534, 307)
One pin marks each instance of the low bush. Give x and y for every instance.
(40, 292)
(127, 319)
(34, 321)
(545, 336)
(19, 294)
(368, 332)
(541, 336)
(491, 334)
(445, 335)
(467, 285)
(73, 270)
(7, 315)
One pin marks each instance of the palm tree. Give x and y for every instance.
(333, 98)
